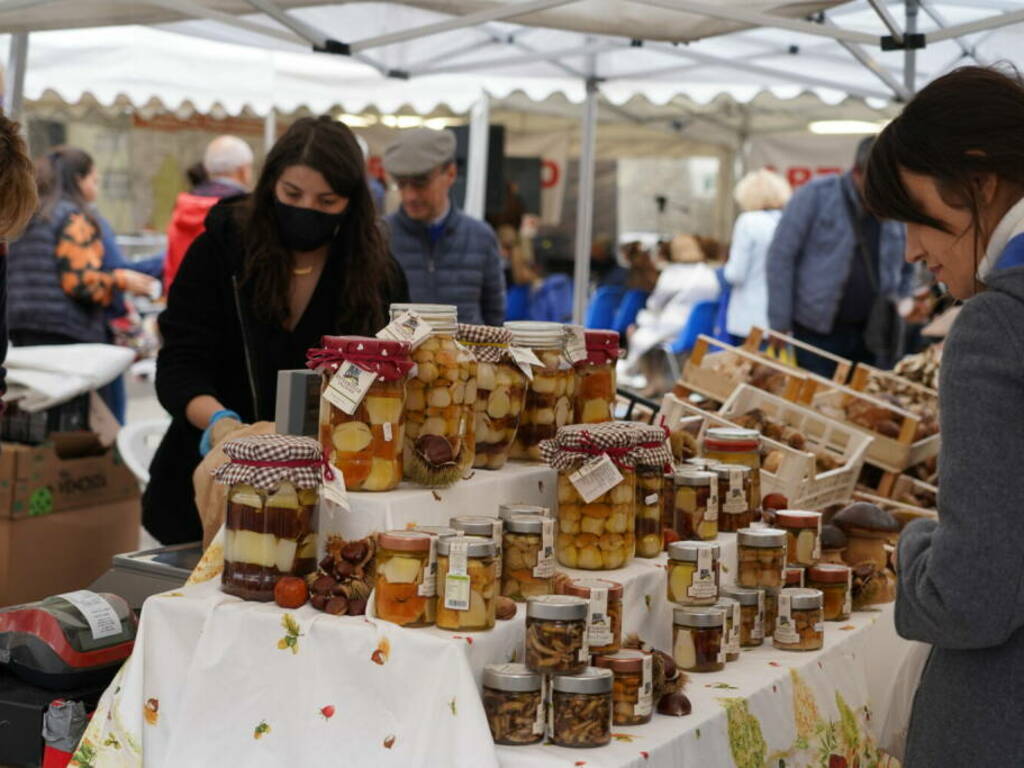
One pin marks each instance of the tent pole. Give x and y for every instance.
(585, 205)
(476, 158)
(14, 80)
(910, 8)
(269, 131)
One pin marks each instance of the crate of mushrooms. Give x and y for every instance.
(714, 369)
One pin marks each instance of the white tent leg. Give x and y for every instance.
(14, 80)
(269, 131)
(585, 205)
(910, 54)
(476, 160)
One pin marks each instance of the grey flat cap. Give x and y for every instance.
(418, 151)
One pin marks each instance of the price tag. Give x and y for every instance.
(645, 696)
(348, 387)
(408, 326)
(711, 513)
(456, 582)
(97, 612)
(785, 630)
(599, 625)
(736, 502)
(651, 499)
(757, 633)
(595, 478)
(334, 489)
(575, 344)
(428, 587)
(538, 721)
(734, 630)
(703, 585)
(389, 434)
(525, 359)
(545, 567)
(497, 528)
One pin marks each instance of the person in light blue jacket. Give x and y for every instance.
(762, 195)
(828, 263)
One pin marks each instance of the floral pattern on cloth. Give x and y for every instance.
(79, 263)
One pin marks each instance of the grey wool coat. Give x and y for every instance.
(961, 579)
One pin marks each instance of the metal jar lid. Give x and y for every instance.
(404, 541)
(829, 573)
(732, 434)
(699, 618)
(590, 680)
(442, 318)
(582, 587)
(802, 599)
(742, 595)
(689, 551)
(723, 470)
(536, 334)
(797, 518)
(556, 608)
(624, 661)
(726, 604)
(525, 524)
(474, 525)
(701, 462)
(505, 511)
(511, 677)
(695, 477)
(476, 546)
(761, 537)
(441, 531)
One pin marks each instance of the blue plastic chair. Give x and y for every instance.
(700, 321)
(721, 330)
(552, 301)
(629, 308)
(602, 307)
(517, 302)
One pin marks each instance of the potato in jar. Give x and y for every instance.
(599, 535)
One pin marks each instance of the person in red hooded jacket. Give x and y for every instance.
(228, 164)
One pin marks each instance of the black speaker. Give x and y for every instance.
(495, 198)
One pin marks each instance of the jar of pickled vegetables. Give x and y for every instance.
(799, 625)
(803, 535)
(528, 555)
(439, 418)
(751, 602)
(467, 583)
(733, 618)
(581, 708)
(698, 639)
(604, 614)
(405, 585)
(270, 520)
(836, 585)
(500, 392)
(761, 557)
(362, 407)
(595, 378)
(734, 508)
(556, 634)
(650, 483)
(633, 687)
(734, 445)
(513, 699)
(696, 504)
(485, 527)
(550, 391)
(693, 572)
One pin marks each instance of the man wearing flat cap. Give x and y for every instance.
(448, 257)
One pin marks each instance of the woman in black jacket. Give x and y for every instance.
(273, 272)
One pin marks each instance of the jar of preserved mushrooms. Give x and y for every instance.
(734, 508)
(799, 625)
(467, 583)
(556, 634)
(270, 519)
(633, 687)
(528, 554)
(513, 699)
(803, 535)
(693, 572)
(761, 557)
(734, 445)
(550, 391)
(698, 639)
(581, 708)
(500, 393)
(405, 586)
(836, 585)
(731, 609)
(604, 612)
(595, 377)
(696, 504)
(484, 527)
(439, 417)
(752, 604)
(650, 484)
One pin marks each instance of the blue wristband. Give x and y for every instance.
(205, 445)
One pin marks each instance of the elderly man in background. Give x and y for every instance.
(448, 257)
(228, 164)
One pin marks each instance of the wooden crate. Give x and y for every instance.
(814, 490)
(906, 484)
(759, 336)
(706, 374)
(863, 374)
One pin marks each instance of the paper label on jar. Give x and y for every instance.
(651, 499)
(785, 629)
(734, 629)
(456, 582)
(711, 513)
(735, 503)
(819, 627)
(525, 358)
(817, 542)
(575, 344)
(348, 386)
(97, 612)
(758, 631)
(848, 597)
(409, 327)
(389, 433)
(428, 587)
(595, 478)
(599, 624)
(538, 720)
(545, 567)
(645, 696)
(703, 586)
(333, 489)
(496, 534)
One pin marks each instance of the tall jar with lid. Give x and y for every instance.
(803, 535)
(693, 572)
(513, 699)
(404, 590)
(467, 583)
(734, 445)
(528, 552)
(270, 520)
(604, 612)
(633, 688)
(439, 418)
(550, 389)
(581, 708)
(363, 434)
(698, 639)
(696, 504)
(734, 508)
(596, 466)
(595, 377)
(761, 558)
(500, 392)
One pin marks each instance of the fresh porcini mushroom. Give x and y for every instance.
(867, 528)
(833, 544)
(872, 585)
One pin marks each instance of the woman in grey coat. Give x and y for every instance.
(952, 167)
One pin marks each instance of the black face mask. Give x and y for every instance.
(303, 229)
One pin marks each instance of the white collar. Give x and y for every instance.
(1011, 225)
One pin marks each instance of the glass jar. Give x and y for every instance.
(439, 422)
(803, 535)
(581, 708)
(761, 557)
(556, 634)
(771, 611)
(405, 584)
(752, 603)
(599, 535)
(734, 508)
(604, 612)
(696, 505)
(735, 445)
(549, 393)
(633, 686)
(366, 444)
(506, 511)
(799, 625)
(650, 483)
(528, 557)
(595, 378)
(731, 609)
(795, 576)
(513, 699)
(485, 527)
(500, 393)
(467, 583)
(698, 639)
(836, 585)
(693, 572)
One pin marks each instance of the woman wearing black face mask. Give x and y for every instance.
(273, 272)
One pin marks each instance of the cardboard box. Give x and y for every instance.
(42, 556)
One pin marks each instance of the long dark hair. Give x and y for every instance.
(58, 177)
(330, 147)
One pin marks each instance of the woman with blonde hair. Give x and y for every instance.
(761, 195)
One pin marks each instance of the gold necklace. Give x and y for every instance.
(301, 271)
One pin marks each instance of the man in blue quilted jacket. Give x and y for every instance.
(448, 257)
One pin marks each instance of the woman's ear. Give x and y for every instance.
(985, 185)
